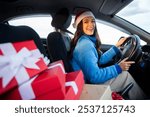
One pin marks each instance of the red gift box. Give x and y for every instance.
(74, 85)
(19, 62)
(58, 63)
(50, 80)
(58, 94)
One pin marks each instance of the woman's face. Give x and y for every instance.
(88, 25)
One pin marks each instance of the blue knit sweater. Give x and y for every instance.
(85, 57)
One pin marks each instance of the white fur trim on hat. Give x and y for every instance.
(82, 16)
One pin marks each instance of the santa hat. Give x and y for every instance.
(81, 16)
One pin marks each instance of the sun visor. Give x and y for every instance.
(111, 7)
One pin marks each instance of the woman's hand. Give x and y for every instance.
(125, 65)
(121, 40)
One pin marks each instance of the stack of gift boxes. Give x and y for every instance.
(26, 74)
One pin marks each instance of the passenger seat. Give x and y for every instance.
(58, 42)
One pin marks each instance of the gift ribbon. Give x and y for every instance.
(26, 90)
(13, 63)
(58, 65)
(37, 54)
(46, 60)
(73, 85)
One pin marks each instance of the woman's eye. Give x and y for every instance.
(85, 21)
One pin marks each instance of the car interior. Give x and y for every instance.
(54, 45)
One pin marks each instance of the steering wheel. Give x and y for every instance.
(131, 48)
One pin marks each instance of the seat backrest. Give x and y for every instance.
(58, 41)
(9, 33)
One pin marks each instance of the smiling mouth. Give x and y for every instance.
(90, 30)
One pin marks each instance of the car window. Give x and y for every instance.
(108, 34)
(137, 12)
(42, 25)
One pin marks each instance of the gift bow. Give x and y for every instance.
(9, 67)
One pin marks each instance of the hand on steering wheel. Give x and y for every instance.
(121, 41)
(129, 47)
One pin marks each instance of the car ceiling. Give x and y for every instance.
(12, 8)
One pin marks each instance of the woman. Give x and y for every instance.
(86, 55)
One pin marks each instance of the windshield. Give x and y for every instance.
(138, 13)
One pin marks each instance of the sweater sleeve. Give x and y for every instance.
(108, 55)
(88, 62)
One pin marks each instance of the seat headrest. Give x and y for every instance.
(62, 19)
